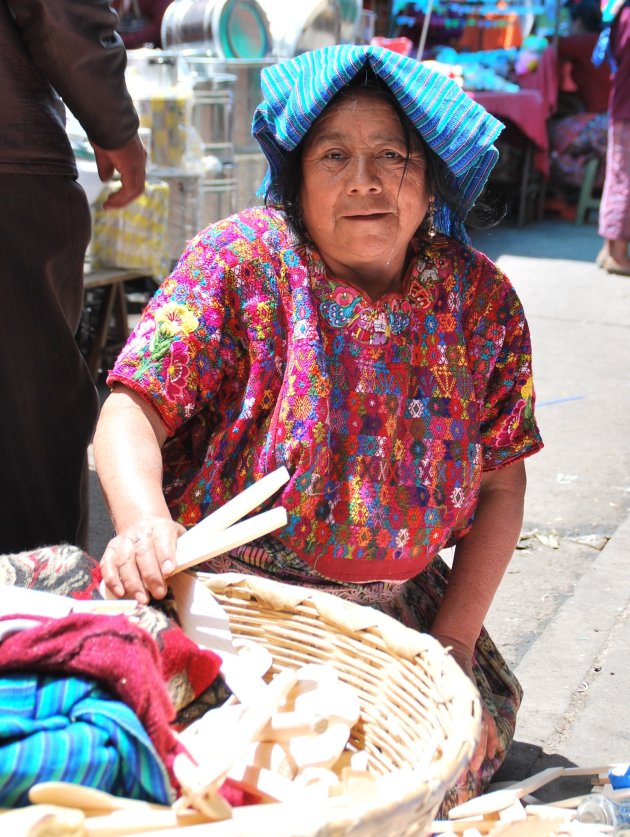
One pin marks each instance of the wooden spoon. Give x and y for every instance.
(69, 795)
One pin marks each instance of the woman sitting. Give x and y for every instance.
(347, 331)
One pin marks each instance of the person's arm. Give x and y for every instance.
(481, 558)
(75, 45)
(128, 455)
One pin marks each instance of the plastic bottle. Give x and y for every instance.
(604, 810)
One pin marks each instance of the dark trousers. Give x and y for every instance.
(48, 401)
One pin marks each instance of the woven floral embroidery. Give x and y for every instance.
(344, 306)
(384, 413)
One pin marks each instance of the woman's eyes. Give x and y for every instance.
(386, 154)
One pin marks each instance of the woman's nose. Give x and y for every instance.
(363, 175)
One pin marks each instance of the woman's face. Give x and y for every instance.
(361, 198)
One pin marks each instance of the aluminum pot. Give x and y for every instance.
(350, 17)
(247, 97)
(154, 68)
(212, 112)
(228, 28)
(250, 170)
(218, 198)
(201, 64)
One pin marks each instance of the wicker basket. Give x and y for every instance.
(420, 715)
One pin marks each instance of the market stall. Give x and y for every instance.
(491, 51)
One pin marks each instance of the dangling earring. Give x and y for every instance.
(431, 231)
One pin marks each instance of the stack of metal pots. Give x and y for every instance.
(222, 46)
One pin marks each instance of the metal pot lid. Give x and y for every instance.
(242, 30)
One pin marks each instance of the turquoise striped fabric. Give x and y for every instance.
(68, 729)
(459, 130)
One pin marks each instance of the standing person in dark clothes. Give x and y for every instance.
(52, 50)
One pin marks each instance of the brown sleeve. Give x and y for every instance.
(75, 45)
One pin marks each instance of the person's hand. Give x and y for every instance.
(130, 161)
(137, 560)
(489, 740)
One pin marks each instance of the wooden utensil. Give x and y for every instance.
(500, 799)
(219, 532)
(197, 551)
(43, 819)
(319, 692)
(136, 821)
(70, 795)
(202, 784)
(204, 620)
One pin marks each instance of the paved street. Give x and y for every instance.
(561, 615)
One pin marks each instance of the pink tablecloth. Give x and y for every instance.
(527, 110)
(544, 79)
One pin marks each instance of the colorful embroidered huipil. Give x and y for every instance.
(384, 413)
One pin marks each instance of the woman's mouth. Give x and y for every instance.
(368, 216)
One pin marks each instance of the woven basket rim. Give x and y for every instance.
(400, 640)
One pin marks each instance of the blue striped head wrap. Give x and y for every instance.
(456, 128)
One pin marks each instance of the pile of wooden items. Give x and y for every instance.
(512, 810)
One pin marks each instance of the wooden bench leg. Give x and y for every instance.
(114, 303)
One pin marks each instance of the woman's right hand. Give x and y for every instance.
(138, 559)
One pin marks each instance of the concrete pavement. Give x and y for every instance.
(561, 614)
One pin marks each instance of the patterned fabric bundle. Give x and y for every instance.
(189, 672)
(574, 141)
(456, 128)
(69, 729)
(111, 649)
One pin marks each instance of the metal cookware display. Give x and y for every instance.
(247, 96)
(213, 112)
(350, 17)
(228, 28)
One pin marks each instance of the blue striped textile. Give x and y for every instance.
(68, 729)
(455, 127)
